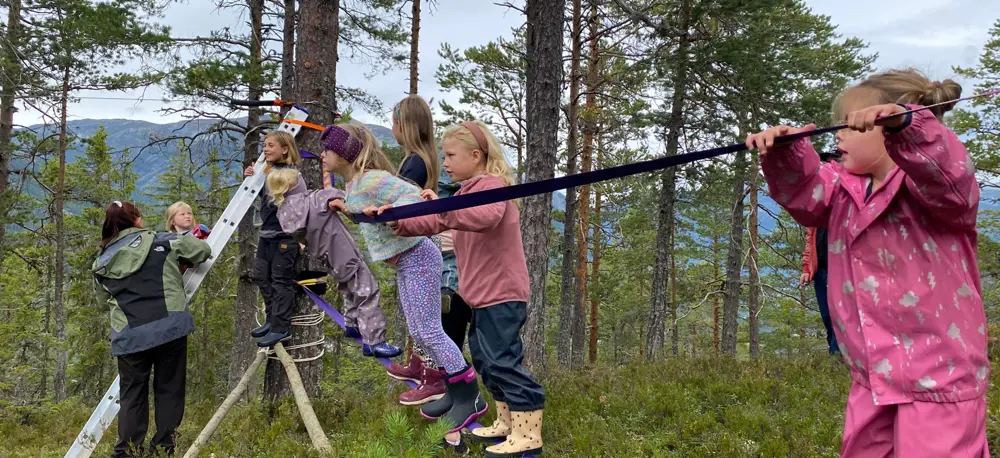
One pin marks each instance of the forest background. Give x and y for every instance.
(666, 317)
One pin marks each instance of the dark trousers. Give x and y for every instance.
(497, 352)
(820, 284)
(456, 321)
(169, 365)
(274, 275)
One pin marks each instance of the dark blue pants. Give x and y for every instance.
(819, 284)
(497, 351)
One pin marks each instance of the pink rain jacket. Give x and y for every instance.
(904, 288)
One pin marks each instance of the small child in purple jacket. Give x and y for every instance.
(308, 216)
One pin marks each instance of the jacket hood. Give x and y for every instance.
(124, 255)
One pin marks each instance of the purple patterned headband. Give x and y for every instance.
(338, 140)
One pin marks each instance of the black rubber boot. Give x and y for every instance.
(467, 402)
(273, 338)
(261, 331)
(436, 409)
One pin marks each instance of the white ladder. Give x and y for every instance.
(224, 228)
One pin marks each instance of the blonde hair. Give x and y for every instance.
(496, 163)
(416, 124)
(907, 86)
(172, 212)
(279, 182)
(287, 141)
(371, 156)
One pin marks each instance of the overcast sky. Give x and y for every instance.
(931, 35)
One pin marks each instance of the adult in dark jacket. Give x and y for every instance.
(137, 276)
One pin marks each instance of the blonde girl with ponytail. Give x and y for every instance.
(494, 282)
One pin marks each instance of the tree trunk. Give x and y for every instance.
(753, 298)
(665, 215)
(583, 201)
(675, 338)
(8, 87)
(568, 297)
(731, 301)
(59, 306)
(316, 79)
(288, 54)
(43, 392)
(243, 347)
(595, 267)
(715, 297)
(414, 47)
(544, 78)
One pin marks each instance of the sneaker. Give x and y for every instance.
(352, 332)
(381, 350)
(431, 389)
(412, 372)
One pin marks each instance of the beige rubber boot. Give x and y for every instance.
(524, 439)
(498, 430)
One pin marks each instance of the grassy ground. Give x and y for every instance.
(690, 408)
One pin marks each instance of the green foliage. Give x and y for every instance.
(683, 407)
(980, 125)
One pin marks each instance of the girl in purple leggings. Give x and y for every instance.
(353, 152)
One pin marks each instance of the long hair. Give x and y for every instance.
(279, 182)
(118, 217)
(416, 125)
(371, 156)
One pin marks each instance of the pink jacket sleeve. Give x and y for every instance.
(940, 173)
(799, 183)
(483, 218)
(421, 225)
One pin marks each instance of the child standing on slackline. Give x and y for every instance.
(312, 216)
(277, 252)
(905, 290)
(413, 128)
(353, 152)
(494, 282)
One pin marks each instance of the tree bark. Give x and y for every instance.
(731, 300)
(715, 297)
(753, 298)
(583, 201)
(544, 77)
(316, 79)
(415, 47)
(675, 338)
(595, 267)
(43, 392)
(59, 306)
(243, 347)
(568, 297)
(7, 91)
(665, 215)
(288, 54)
